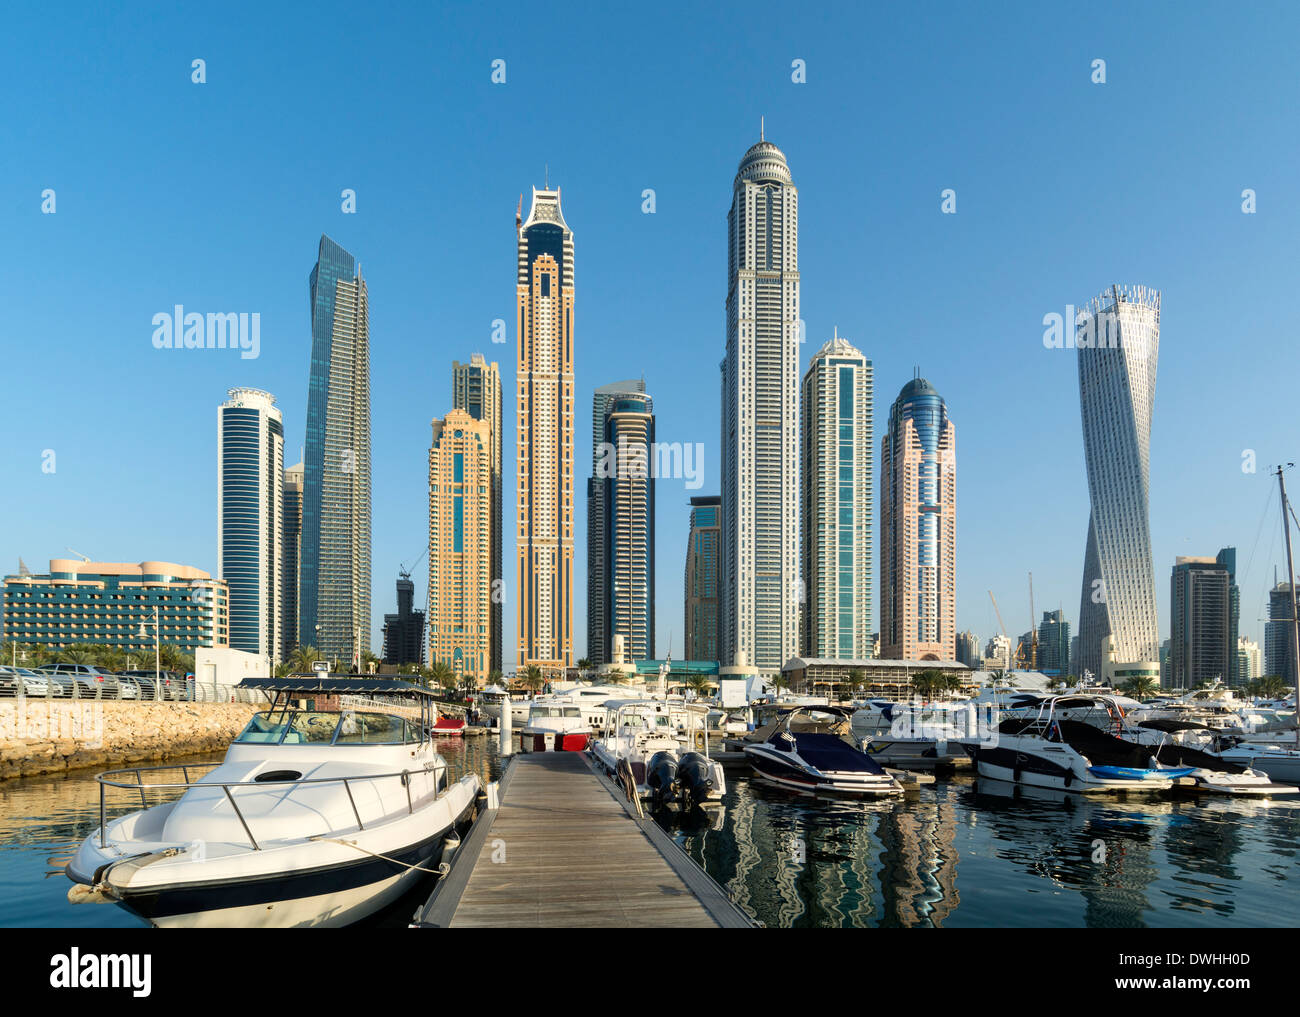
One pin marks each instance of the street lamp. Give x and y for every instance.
(157, 665)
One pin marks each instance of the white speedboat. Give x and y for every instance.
(817, 762)
(317, 816)
(644, 739)
(1043, 747)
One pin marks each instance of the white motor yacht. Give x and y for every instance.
(317, 816)
(647, 739)
(555, 724)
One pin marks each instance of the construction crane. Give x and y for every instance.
(1001, 624)
(83, 557)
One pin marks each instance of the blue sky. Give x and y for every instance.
(215, 196)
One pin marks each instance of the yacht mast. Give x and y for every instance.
(1290, 571)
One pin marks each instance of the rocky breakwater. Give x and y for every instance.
(38, 736)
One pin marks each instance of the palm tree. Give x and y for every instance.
(859, 677)
(928, 682)
(533, 677)
(367, 659)
(1140, 686)
(443, 675)
(495, 678)
(584, 664)
(302, 659)
(699, 684)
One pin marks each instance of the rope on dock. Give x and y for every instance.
(442, 869)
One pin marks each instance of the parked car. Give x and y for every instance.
(60, 684)
(172, 688)
(127, 688)
(92, 682)
(31, 683)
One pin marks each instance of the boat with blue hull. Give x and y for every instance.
(1044, 746)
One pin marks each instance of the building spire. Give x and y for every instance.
(761, 128)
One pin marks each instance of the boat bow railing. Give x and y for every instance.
(105, 780)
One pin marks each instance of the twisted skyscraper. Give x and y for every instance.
(1118, 337)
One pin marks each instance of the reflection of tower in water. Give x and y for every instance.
(1114, 887)
(918, 871)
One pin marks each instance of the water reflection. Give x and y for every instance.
(44, 819)
(987, 853)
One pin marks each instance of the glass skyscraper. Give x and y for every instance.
(292, 558)
(1118, 338)
(836, 512)
(918, 528)
(250, 519)
(1205, 610)
(759, 585)
(629, 519)
(334, 590)
(598, 635)
(702, 578)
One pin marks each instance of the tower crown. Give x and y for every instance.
(764, 163)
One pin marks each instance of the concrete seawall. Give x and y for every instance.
(39, 737)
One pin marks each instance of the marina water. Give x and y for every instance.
(960, 852)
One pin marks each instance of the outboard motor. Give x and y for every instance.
(661, 778)
(695, 776)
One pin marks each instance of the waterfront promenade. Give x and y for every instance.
(564, 850)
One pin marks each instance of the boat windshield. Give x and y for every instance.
(307, 727)
(556, 711)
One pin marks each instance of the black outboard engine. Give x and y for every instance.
(661, 778)
(695, 776)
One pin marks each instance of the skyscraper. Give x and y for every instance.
(334, 589)
(460, 545)
(292, 560)
(598, 636)
(1054, 645)
(702, 578)
(918, 528)
(1118, 337)
(837, 445)
(968, 649)
(1279, 638)
(629, 518)
(250, 518)
(545, 297)
(404, 631)
(759, 550)
(1249, 660)
(1204, 616)
(476, 389)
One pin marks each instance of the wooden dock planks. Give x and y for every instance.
(562, 851)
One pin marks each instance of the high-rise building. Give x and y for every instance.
(1279, 638)
(837, 450)
(334, 586)
(968, 649)
(1118, 337)
(476, 389)
(918, 528)
(108, 602)
(1204, 616)
(545, 297)
(759, 584)
(250, 519)
(460, 546)
(292, 561)
(1054, 644)
(1249, 660)
(404, 631)
(702, 578)
(598, 637)
(629, 517)
(997, 654)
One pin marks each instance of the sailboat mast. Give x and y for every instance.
(1290, 571)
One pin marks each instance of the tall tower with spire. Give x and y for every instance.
(759, 584)
(545, 389)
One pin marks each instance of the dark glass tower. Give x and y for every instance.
(334, 593)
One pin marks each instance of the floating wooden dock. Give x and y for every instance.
(563, 849)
